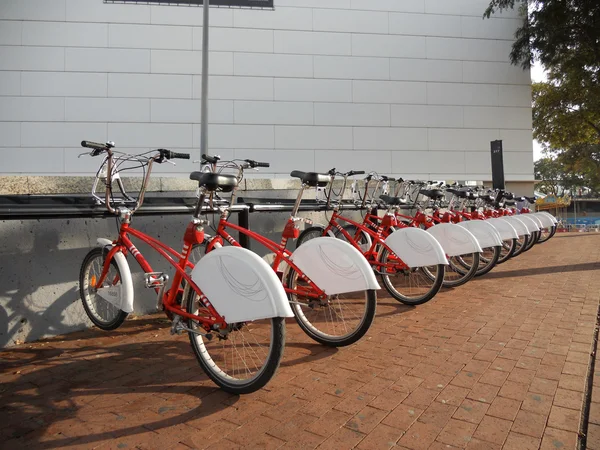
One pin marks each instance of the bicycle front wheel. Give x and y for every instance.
(102, 313)
(487, 260)
(337, 320)
(410, 286)
(460, 269)
(520, 245)
(546, 234)
(242, 358)
(507, 250)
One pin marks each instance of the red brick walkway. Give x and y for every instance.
(498, 363)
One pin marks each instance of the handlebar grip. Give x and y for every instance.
(358, 172)
(93, 145)
(174, 155)
(211, 159)
(263, 164)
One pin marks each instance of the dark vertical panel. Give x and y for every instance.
(497, 165)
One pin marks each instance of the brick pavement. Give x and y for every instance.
(498, 363)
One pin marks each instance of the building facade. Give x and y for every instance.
(412, 88)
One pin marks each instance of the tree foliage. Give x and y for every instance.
(564, 36)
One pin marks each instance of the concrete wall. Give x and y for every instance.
(414, 88)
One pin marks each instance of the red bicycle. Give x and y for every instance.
(411, 284)
(331, 288)
(231, 304)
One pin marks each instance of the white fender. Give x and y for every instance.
(529, 223)
(124, 293)
(334, 266)
(519, 225)
(506, 230)
(485, 233)
(546, 221)
(455, 240)
(536, 219)
(240, 285)
(416, 247)
(550, 216)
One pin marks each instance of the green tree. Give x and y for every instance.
(564, 36)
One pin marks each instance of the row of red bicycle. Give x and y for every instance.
(233, 303)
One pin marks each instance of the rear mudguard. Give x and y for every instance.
(486, 234)
(124, 295)
(531, 224)
(455, 240)
(519, 225)
(416, 247)
(240, 285)
(506, 230)
(550, 216)
(546, 221)
(334, 266)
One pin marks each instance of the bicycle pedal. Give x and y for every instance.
(155, 279)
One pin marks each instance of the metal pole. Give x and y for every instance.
(204, 101)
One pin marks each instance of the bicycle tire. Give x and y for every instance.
(467, 275)
(520, 246)
(535, 235)
(545, 237)
(507, 250)
(402, 298)
(97, 254)
(490, 263)
(216, 373)
(309, 233)
(321, 336)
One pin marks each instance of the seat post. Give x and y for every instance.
(200, 203)
(298, 200)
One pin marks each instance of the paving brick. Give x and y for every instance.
(568, 399)
(366, 419)
(492, 429)
(419, 436)
(328, 423)
(572, 382)
(517, 441)
(558, 439)
(483, 392)
(453, 395)
(504, 408)
(471, 411)
(537, 403)
(437, 414)
(383, 437)
(457, 433)
(342, 438)
(564, 419)
(530, 424)
(388, 400)
(516, 391)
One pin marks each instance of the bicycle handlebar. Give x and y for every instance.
(253, 164)
(168, 154)
(211, 159)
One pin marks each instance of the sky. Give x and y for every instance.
(537, 74)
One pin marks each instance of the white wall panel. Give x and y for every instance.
(10, 83)
(257, 64)
(150, 135)
(282, 18)
(313, 43)
(236, 88)
(501, 117)
(344, 161)
(462, 94)
(320, 137)
(60, 134)
(404, 92)
(53, 161)
(518, 162)
(388, 45)
(406, 162)
(176, 15)
(494, 72)
(11, 134)
(390, 5)
(426, 70)
(350, 21)
(10, 32)
(478, 162)
(277, 113)
(17, 109)
(355, 114)
(32, 58)
(149, 36)
(64, 84)
(93, 11)
(516, 140)
(107, 60)
(188, 111)
(236, 40)
(371, 138)
(514, 95)
(427, 116)
(149, 85)
(306, 89)
(477, 27)
(81, 109)
(32, 9)
(241, 136)
(281, 161)
(425, 25)
(352, 68)
(468, 49)
(190, 62)
(70, 34)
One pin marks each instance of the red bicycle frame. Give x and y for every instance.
(180, 261)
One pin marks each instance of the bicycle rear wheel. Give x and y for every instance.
(336, 321)
(487, 260)
(460, 269)
(546, 234)
(507, 250)
(102, 313)
(520, 245)
(410, 286)
(242, 358)
(535, 235)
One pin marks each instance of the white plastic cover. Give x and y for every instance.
(546, 221)
(121, 296)
(240, 285)
(485, 232)
(334, 266)
(455, 240)
(519, 225)
(506, 230)
(529, 222)
(546, 213)
(416, 248)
